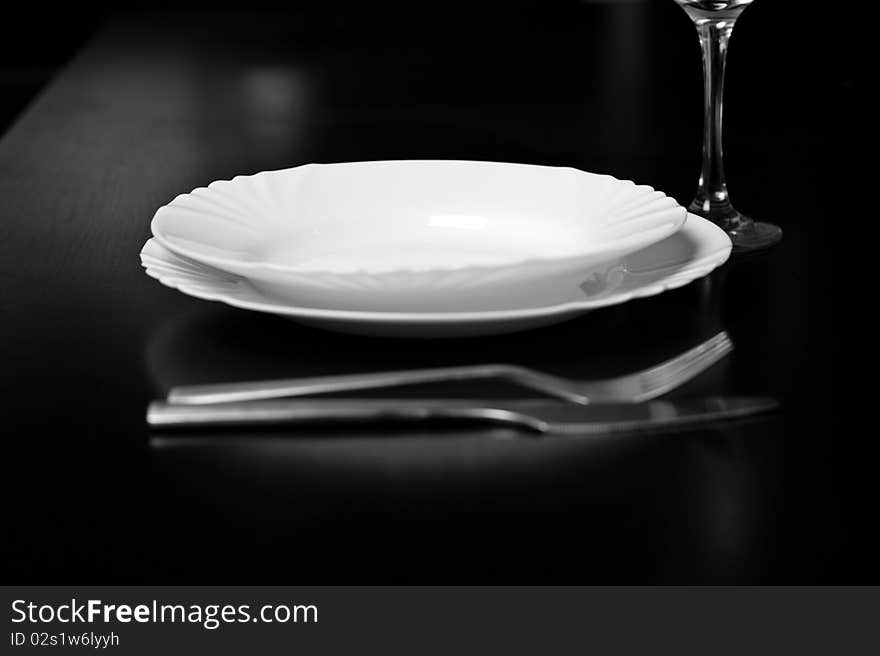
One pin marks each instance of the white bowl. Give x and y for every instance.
(414, 236)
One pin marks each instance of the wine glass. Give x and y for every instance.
(714, 20)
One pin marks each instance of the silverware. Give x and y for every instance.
(633, 388)
(539, 416)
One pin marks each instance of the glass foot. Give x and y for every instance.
(747, 235)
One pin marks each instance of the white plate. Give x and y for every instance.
(415, 236)
(691, 253)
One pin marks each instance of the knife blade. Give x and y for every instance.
(539, 416)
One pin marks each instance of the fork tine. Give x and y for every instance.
(677, 371)
(653, 382)
(721, 342)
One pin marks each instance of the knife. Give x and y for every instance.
(538, 416)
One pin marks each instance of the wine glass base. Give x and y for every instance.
(754, 236)
(746, 234)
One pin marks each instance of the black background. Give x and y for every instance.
(87, 340)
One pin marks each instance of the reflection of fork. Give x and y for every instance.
(633, 388)
(600, 282)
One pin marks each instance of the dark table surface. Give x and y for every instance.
(157, 104)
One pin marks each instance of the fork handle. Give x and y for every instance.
(273, 389)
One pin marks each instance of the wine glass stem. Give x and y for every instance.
(712, 199)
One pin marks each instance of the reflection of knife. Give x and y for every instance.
(535, 415)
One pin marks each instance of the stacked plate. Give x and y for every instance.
(428, 248)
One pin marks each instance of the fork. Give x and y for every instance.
(633, 388)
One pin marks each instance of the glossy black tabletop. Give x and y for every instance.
(157, 104)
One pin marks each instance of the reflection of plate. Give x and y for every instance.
(693, 252)
(415, 236)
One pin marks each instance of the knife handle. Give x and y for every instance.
(163, 415)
